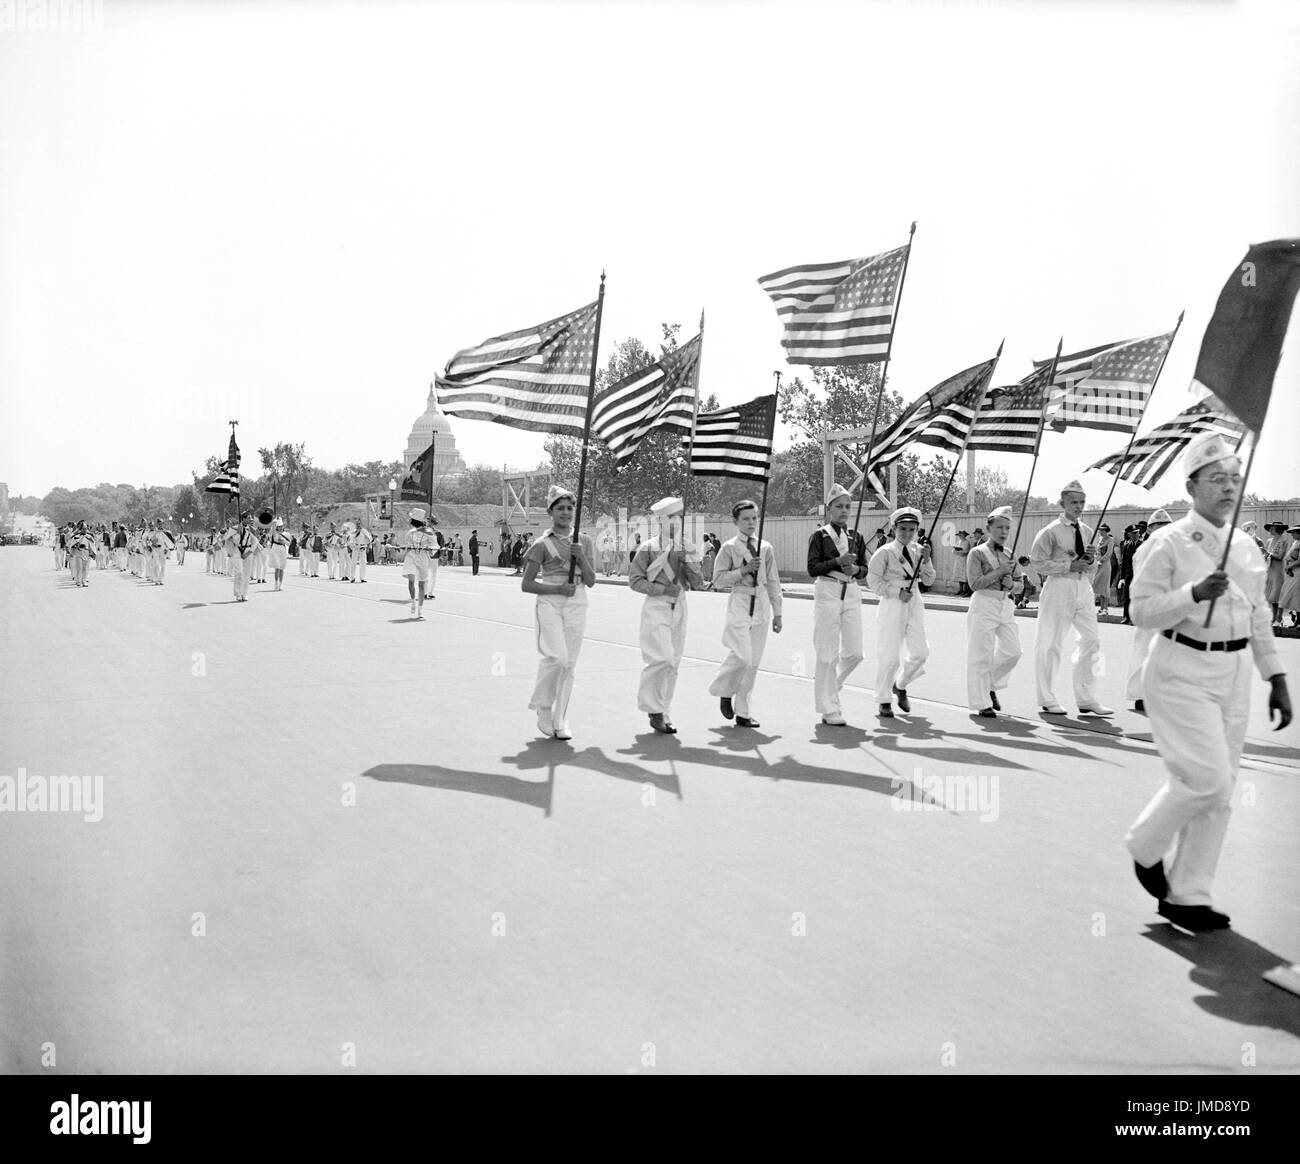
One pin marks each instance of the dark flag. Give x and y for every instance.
(838, 313)
(1243, 340)
(661, 395)
(537, 378)
(417, 485)
(735, 442)
(232, 455)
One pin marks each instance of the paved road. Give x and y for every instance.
(330, 836)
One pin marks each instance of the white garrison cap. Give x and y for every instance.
(667, 506)
(1205, 450)
(837, 490)
(1160, 517)
(1001, 511)
(905, 513)
(1075, 486)
(555, 492)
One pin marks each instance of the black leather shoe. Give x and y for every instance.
(745, 721)
(987, 713)
(903, 704)
(728, 712)
(657, 722)
(993, 701)
(886, 712)
(1140, 706)
(1199, 919)
(1153, 879)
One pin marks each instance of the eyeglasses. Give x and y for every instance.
(1220, 479)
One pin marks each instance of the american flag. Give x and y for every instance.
(660, 395)
(232, 454)
(1009, 419)
(941, 417)
(735, 442)
(1153, 454)
(537, 378)
(226, 480)
(838, 313)
(1106, 387)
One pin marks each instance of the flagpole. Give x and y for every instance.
(1038, 446)
(690, 447)
(1236, 513)
(586, 429)
(1133, 436)
(880, 392)
(239, 505)
(762, 509)
(929, 537)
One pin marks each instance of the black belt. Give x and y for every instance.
(1196, 644)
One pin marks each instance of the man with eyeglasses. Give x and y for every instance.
(1196, 681)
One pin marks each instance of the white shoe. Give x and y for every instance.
(1096, 709)
(1054, 709)
(834, 720)
(545, 722)
(562, 732)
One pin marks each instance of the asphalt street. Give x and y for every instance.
(327, 838)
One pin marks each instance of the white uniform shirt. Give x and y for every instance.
(1173, 559)
(734, 554)
(1054, 549)
(888, 574)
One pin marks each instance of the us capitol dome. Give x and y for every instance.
(446, 460)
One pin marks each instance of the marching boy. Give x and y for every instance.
(749, 571)
(901, 645)
(992, 640)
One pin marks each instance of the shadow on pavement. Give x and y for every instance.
(1231, 965)
(530, 792)
(893, 736)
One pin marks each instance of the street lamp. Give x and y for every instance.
(392, 500)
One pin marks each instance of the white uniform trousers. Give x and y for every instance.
(837, 640)
(1067, 600)
(239, 575)
(561, 623)
(1198, 703)
(332, 561)
(302, 562)
(901, 645)
(313, 564)
(119, 554)
(159, 564)
(180, 555)
(663, 640)
(359, 564)
(1142, 639)
(992, 645)
(744, 637)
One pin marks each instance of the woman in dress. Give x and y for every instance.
(710, 556)
(1101, 579)
(1275, 550)
(1289, 599)
(421, 562)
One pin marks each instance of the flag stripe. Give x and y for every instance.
(660, 395)
(735, 442)
(1154, 454)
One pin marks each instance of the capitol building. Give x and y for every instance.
(446, 459)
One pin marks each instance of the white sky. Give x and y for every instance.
(294, 214)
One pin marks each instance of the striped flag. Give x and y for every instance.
(661, 395)
(941, 417)
(1008, 421)
(838, 313)
(232, 454)
(1153, 454)
(735, 442)
(537, 378)
(226, 480)
(1106, 387)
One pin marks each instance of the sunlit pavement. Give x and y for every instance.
(332, 840)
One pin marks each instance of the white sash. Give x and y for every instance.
(841, 541)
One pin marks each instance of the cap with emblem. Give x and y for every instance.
(906, 513)
(666, 506)
(837, 490)
(1075, 486)
(1205, 450)
(416, 517)
(1159, 517)
(555, 493)
(1001, 511)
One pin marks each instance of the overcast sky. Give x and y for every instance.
(294, 214)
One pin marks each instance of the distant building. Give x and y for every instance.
(4, 499)
(446, 460)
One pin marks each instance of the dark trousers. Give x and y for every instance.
(473, 561)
